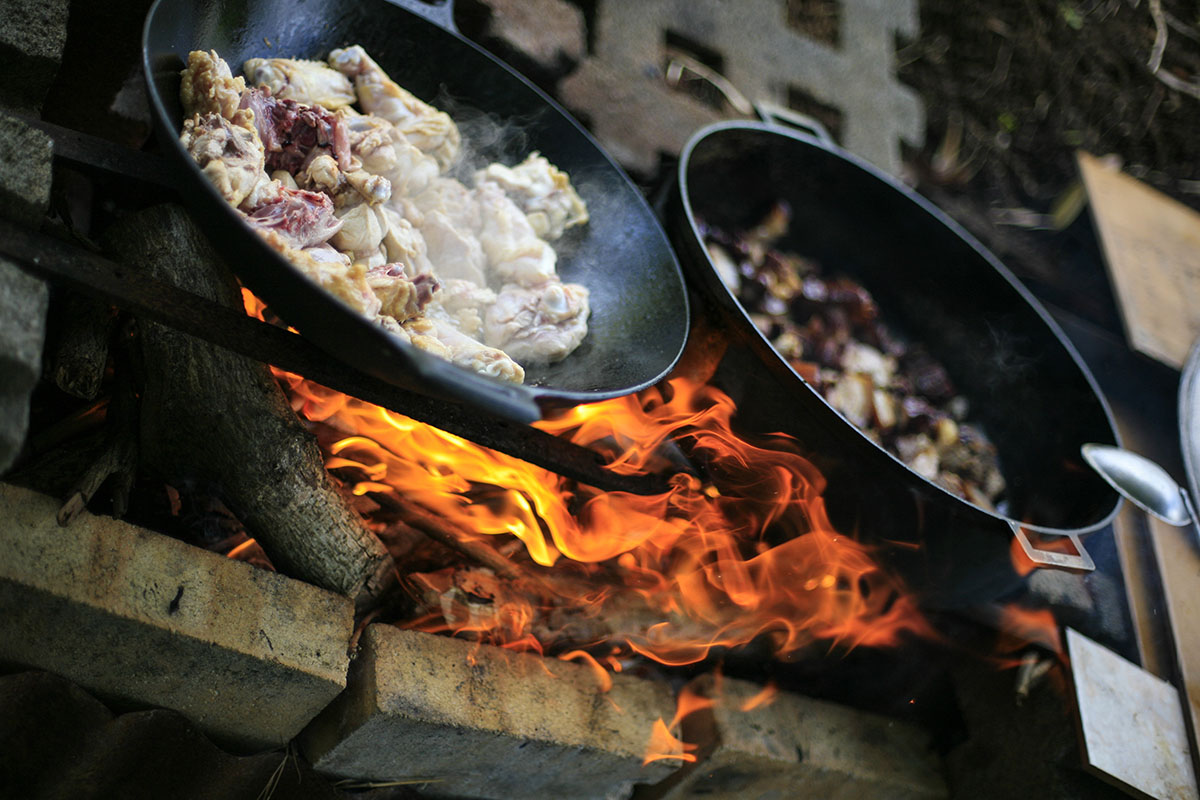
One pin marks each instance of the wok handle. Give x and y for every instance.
(1082, 560)
(788, 118)
(681, 67)
(439, 12)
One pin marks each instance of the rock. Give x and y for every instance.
(32, 38)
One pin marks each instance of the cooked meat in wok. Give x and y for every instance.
(362, 201)
(830, 330)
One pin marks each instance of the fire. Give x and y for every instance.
(747, 551)
(714, 562)
(1030, 626)
(663, 744)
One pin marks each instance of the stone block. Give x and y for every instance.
(548, 32)
(24, 301)
(761, 57)
(32, 37)
(480, 721)
(26, 161)
(248, 655)
(795, 746)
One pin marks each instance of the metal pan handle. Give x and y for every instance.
(787, 118)
(439, 12)
(682, 67)
(1082, 560)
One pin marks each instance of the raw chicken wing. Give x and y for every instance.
(429, 129)
(311, 83)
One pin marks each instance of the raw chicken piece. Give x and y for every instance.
(292, 133)
(385, 151)
(400, 296)
(463, 303)
(322, 174)
(514, 252)
(542, 191)
(406, 245)
(208, 87)
(448, 218)
(307, 82)
(462, 349)
(303, 219)
(429, 129)
(454, 253)
(539, 324)
(230, 155)
(346, 281)
(362, 232)
(453, 199)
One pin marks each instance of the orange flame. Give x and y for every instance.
(715, 563)
(1030, 625)
(663, 744)
(764, 698)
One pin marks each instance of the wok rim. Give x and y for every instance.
(728, 301)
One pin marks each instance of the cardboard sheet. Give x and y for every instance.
(1132, 723)
(1152, 248)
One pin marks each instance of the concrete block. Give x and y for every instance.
(24, 301)
(248, 655)
(484, 722)
(548, 32)
(763, 58)
(799, 747)
(26, 161)
(32, 37)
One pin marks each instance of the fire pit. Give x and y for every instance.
(566, 629)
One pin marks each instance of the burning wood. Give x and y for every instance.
(210, 415)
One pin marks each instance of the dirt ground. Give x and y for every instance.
(1012, 89)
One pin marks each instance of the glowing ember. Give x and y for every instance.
(748, 551)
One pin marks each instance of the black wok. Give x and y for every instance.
(935, 284)
(639, 316)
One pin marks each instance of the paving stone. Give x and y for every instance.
(32, 36)
(248, 655)
(26, 156)
(24, 301)
(485, 722)
(548, 32)
(26, 161)
(762, 58)
(799, 747)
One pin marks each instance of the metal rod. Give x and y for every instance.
(235, 331)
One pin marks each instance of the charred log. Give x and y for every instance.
(210, 415)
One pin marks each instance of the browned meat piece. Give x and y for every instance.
(829, 329)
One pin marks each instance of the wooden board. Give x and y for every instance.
(1132, 723)
(1152, 249)
(1178, 559)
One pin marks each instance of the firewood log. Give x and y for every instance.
(210, 415)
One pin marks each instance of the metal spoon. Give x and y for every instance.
(1144, 483)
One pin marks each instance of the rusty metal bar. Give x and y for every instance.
(145, 297)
